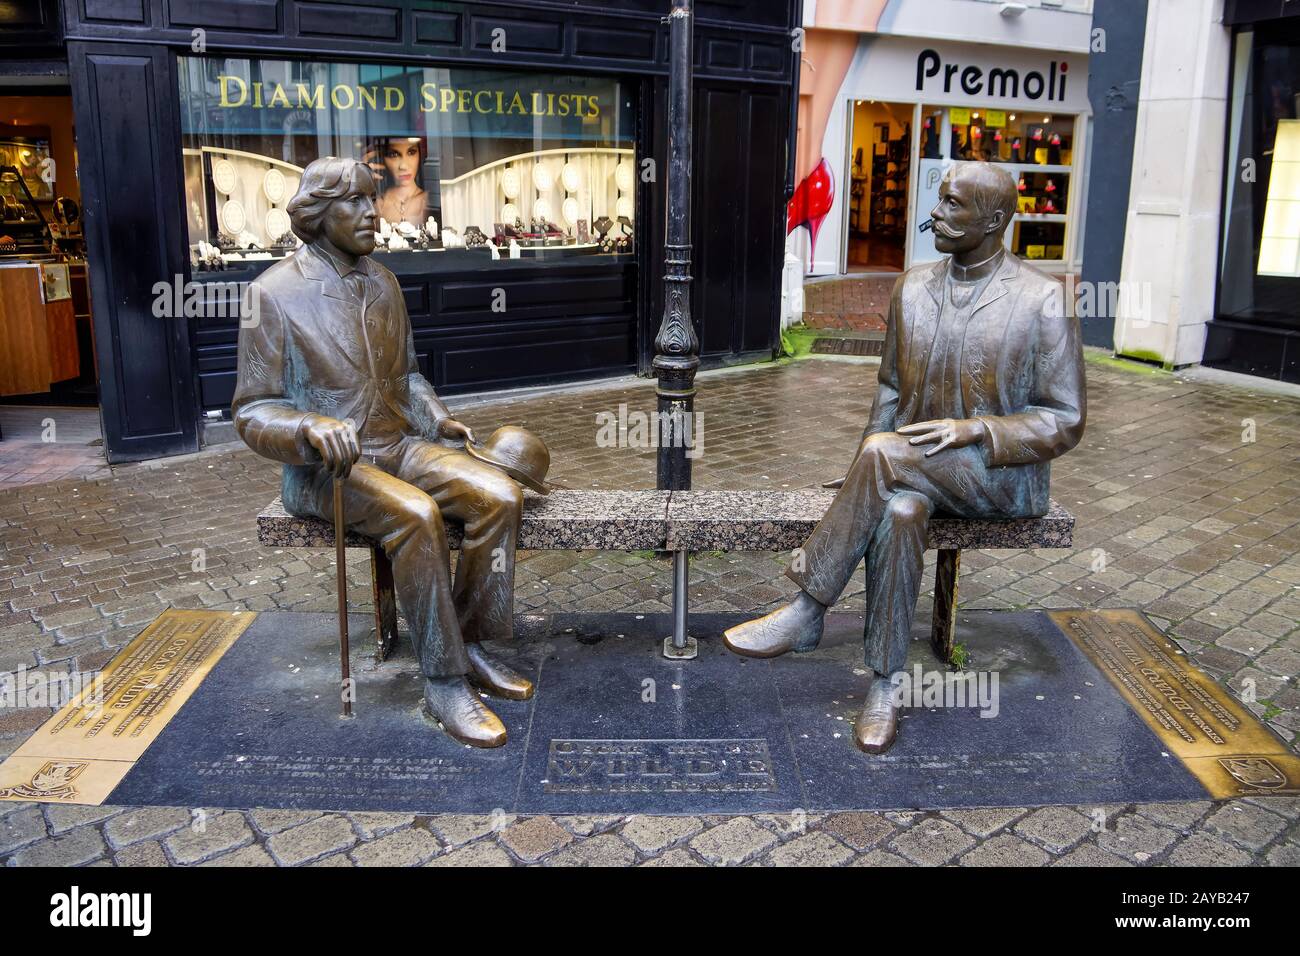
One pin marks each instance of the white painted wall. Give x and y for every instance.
(1172, 233)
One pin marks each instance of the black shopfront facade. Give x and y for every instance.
(535, 128)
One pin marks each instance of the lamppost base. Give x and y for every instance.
(675, 653)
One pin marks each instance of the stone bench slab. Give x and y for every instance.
(561, 521)
(686, 520)
(783, 520)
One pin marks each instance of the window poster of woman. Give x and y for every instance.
(398, 161)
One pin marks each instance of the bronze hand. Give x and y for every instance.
(948, 432)
(450, 428)
(335, 441)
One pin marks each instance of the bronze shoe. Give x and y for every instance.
(494, 676)
(453, 703)
(877, 725)
(797, 627)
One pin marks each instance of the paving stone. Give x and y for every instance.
(310, 840)
(881, 858)
(483, 853)
(20, 828)
(813, 849)
(273, 821)
(859, 829)
(733, 842)
(679, 857)
(1207, 849)
(455, 829)
(1248, 825)
(372, 825)
(1005, 850)
(1089, 855)
(216, 834)
(607, 849)
(409, 847)
(252, 855)
(587, 825)
(532, 839)
(65, 817)
(72, 849)
(1177, 815)
(932, 842)
(1136, 838)
(985, 822)
(652, 834)
(334, 859)
(145, 823)
(1055, 828)
(147, 853)
(1284, 854)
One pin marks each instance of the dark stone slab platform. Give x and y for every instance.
(616, 728)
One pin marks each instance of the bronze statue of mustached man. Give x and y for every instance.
(981, 385)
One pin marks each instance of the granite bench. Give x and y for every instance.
(686, 521)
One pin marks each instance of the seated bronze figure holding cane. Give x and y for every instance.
(330, 386)
(982, 364)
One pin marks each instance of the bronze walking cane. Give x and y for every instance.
(340, 559)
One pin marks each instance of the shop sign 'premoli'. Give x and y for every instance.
(999, 82)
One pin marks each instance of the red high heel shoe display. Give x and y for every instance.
(810, 204)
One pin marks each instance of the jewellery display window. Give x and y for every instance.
(1036, 148)
(469, 164)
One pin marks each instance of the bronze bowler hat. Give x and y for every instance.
(519, 453)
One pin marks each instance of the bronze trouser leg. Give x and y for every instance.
(407, 525)
(490, 505)
(895, 560)
(883, 509)
(842, 537)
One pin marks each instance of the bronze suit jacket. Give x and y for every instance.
(312, 351)
(1021, 369)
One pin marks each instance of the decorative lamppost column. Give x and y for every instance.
(677, 346)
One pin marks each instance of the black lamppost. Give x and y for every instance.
(676, 346)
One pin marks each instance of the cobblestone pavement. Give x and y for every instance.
(1196, 524)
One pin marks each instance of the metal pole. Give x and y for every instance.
(341, 567)
(677, 346)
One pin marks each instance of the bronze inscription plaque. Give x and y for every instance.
(1197, 720)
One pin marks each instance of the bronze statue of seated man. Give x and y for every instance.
(330, 386)
(981, 384)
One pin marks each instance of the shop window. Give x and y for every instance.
(1036, 148)
(469, 164)
(1260, 279)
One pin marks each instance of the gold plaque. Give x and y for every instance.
(81, 753)
(1219, 740)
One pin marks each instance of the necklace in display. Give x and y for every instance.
(401, 204)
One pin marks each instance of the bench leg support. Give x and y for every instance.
(943, 629)
(681, 646)
(381, 582)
